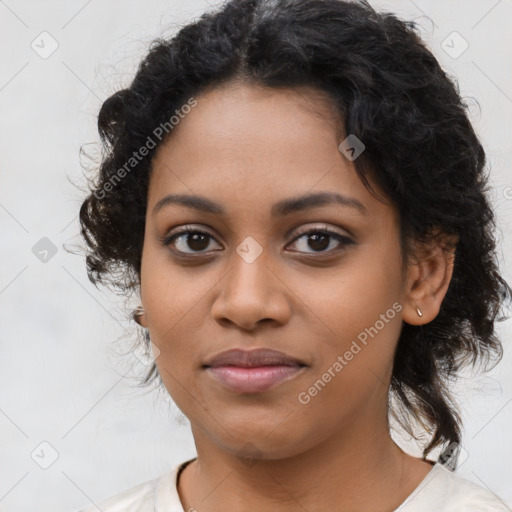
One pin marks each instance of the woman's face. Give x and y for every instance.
(254, 280)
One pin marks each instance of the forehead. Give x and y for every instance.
(250, 146)
(242, 121)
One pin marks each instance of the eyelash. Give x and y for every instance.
(187, 230)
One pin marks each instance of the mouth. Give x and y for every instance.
(253, 379)
(254, 371)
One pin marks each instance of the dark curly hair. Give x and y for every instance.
(421, 150)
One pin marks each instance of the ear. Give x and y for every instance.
(428, 278)
(139, 316)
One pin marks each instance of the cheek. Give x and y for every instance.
(171, 294)
(345, 301)
(354, 373)
(357, 317)
(172, 300)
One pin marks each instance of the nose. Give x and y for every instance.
(251, 293)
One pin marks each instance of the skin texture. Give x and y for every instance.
(247, 147)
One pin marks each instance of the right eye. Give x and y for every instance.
(188, 238)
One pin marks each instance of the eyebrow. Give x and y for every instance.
(281, 208)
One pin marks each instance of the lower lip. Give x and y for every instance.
(253, 380)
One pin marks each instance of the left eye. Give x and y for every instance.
(320, 240)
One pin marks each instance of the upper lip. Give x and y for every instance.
(252, 358)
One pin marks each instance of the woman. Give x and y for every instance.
(297, 194)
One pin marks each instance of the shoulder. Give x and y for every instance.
(135, 499)
(445, 491)
(156, 495)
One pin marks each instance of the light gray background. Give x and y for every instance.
(62, 377)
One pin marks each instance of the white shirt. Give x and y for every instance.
(440, 491)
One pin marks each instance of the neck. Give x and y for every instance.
(360, 470)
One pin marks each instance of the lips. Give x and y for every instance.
(253, 358)
(255, 371)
